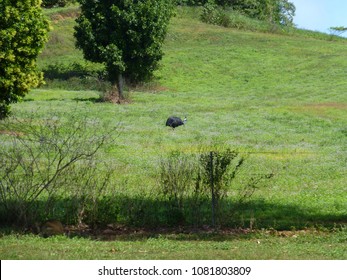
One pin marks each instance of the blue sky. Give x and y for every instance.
(320, 15)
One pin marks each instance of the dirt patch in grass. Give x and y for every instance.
(329, 110)
(121, 232)
(118, 232)
(65, 14)
(327, 105)
(11, 133)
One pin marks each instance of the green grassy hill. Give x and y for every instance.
(278, 99)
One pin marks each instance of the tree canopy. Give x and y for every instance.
(337, 30)
(125, 35)
(23, 32)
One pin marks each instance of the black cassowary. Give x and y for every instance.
(175, 121)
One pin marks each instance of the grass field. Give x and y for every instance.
(279, 100)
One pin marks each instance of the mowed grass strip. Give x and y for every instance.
(295, 245)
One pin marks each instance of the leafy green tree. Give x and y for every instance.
(275, 11)
(337, 30)
(125, 35)
(23, 32)
(280, 11)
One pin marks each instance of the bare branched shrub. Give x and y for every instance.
(38, 157)
(176, 176)
(176, 180)
(87, 185)
(194, 184)
(216, 175)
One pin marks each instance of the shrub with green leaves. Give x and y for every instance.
(214, 14)
(23, 32)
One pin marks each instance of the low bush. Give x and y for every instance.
(196, 187)
(43, 162)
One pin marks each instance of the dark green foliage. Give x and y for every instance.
(191, 2)
(239, 19)
(23, 32)
(126, 36)
(273, 11)
(55, 3)
(214, 14)
(337, 30)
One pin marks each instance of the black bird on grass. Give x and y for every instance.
(175, 121)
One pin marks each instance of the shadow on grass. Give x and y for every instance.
(86, 99)
(65, 72)
(134, 218)
(75, 76)
(90, 99)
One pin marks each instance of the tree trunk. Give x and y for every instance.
(120, 86)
